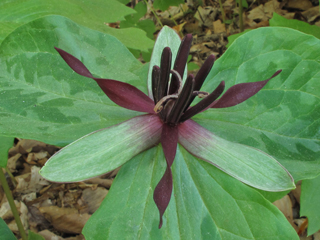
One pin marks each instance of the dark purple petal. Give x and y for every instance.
(126, 95)
(204, 103)
(180, 62)
(240, 92)
(163, 191)
(123, 94)
(74, 63)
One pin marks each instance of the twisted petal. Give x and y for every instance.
(247, 164)
(163, 191)
(104, 150)
(240, 92)
(123, 94)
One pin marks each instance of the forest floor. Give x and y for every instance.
(59, 211)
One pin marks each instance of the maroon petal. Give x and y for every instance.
(74, 63)
(163, 191)
(240, 92)
(126, 95)
(123, 94)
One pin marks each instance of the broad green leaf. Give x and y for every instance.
(282, 119)
(233, 37)
(165, 4)
(206, 204)
(93, 14)
(5, 232)
(310, 203)
(167, 37)
(43, 99)
(279, 21)
(247, 164)
(5, 144)
(34, 236)
(103, 151)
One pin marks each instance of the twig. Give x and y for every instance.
(154, 13)
(240, 16)
(13, 207)
(222, 12)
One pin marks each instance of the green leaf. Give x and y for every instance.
(5, 144)
(167, 37)
(103, 151)
(5, 232)
(282, 119)
(165, 4)
(34, 236)
(247, 164)
(279, 21)
(310, 203)
(133, 20)
(233, 37)
(206, 204)
(42, 98)
(90, 13)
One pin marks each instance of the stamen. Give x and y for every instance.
(200, 94)
(181, 61)
(165, 67)
(182, 101)
(159, 106)
(178, 77)
(155, 83)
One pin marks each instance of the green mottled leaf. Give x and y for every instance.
(283, 119)
(5, 232)
(34, 236)
(165, 4)
(247, 164)
(103, 151)
(42, 98)
(5, 144)
(310, 203)
(279, 21)
(206, 204)
(90, 13)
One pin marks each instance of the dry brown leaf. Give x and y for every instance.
(93, 198)
(297, 192)
(299, 4)
(218, 26)
(49, 235)
(285, 206)
(311, 14)
(67, 220)
(101, 182)
(6, 214)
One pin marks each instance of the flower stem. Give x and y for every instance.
(13, 207)
(14, 181)
(240, 15)
(154, 13)
(222, 11)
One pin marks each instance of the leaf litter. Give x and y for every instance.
(59, 211)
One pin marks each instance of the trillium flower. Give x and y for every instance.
(166, 119)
